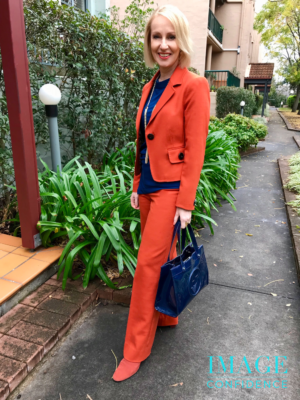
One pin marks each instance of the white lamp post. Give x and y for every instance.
(50, 95)
(242, 104)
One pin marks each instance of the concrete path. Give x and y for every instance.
(235, 316)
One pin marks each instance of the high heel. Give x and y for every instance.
(125, 370)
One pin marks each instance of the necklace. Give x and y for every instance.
(145, 117)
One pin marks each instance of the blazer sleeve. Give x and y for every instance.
(196, 121)
(136, 182)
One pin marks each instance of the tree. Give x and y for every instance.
(279, 24)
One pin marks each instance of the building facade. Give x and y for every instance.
(223, 36)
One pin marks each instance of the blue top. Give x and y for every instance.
(147, 183)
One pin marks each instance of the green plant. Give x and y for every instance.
(92, 210)
(229, 98)
(244, 130)
(291, 100)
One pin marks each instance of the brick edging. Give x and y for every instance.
(288, 125)
(293, 218)
(33, 327)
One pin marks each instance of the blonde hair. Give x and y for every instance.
(182, 32)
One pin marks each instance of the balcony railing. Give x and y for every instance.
(217, 78)
(215, 26)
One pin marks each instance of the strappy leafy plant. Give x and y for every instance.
(92, 211)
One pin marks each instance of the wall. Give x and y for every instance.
(197, 14)
(213, 103)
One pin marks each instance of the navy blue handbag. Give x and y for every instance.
(182, 278)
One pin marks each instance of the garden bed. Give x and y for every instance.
(293, 218)
(291, 120)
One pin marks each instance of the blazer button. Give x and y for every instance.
(181, 156)
(150, 136)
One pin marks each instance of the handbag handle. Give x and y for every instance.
(176, 230)
(182, 241)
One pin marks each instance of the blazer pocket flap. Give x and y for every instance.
(176, 155)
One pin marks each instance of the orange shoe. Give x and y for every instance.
(125, 370)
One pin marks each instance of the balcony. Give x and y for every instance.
(218, 78)
(214, 26)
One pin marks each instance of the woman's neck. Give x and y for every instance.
(166, 73)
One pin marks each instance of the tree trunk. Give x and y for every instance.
(295, 106)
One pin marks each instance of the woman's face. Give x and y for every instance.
(164, 46)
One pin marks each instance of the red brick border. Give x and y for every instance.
(31, 329)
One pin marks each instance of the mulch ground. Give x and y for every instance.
(293, 118)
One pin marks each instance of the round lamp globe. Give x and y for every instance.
(49, 95)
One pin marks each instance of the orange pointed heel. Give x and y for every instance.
(125, 370)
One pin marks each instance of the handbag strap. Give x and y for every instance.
(176, 230)
(194, 241)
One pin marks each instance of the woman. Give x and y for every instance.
(172, 127)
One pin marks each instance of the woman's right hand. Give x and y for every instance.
(134, 199)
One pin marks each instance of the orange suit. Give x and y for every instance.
(176, 138)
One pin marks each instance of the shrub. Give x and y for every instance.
(229, 98)
(244, 130)
(258, 103)
(291, 101)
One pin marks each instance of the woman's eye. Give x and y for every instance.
(172, 37)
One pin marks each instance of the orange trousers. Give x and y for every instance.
(157, 211)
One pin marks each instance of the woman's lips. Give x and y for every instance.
(164, 56)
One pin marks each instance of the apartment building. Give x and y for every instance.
(223, 36)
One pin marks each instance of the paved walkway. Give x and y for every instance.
(236, 315)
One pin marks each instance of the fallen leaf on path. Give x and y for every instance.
(288, 305)
(176, 384)
(88, 397)
(189, 310)
(249, 234)
(277, 280)
(273, 294)
(250, 304)
(250, 274)
(234, 250)
(207, 320)
(215, 265)
(283, 222)
(249, 317)
(256, 225)
(241, 256)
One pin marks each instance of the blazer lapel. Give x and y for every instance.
(169, 91)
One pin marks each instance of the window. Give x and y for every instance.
(76, 3)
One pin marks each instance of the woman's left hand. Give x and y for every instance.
(184, 215)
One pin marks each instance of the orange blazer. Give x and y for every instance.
(176, 133)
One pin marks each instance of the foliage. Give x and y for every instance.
(275, 97)
(258, 103)
(266, 110)
(291, 100)
(99, 70)
(244, 130)
(293, 181)
(229, 98)
(91, 209)
(279, 25)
